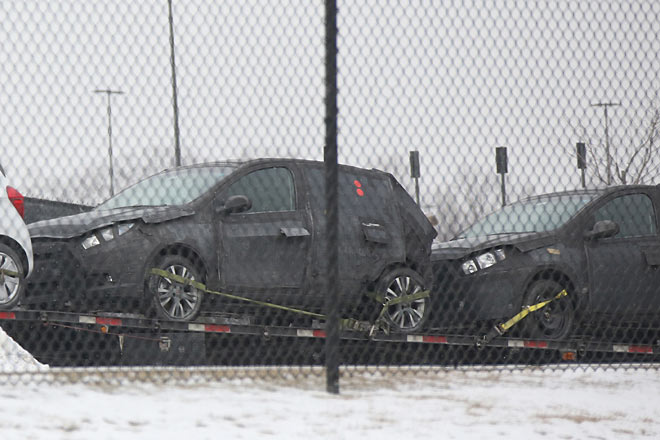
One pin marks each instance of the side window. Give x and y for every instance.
(269, 189)
(633, 213)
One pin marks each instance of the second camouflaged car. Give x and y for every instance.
(255, 229)
(601, 246)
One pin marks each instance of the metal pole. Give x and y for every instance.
(331, 200)
(605, 105)
(109, 92)
(177, 144)
(503, 190)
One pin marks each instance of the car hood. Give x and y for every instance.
(79, 224)
(462, 247)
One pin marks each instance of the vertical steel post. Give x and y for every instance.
(331, 200)
(177, 144)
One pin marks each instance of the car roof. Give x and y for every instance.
(265, 161)
(589, 192)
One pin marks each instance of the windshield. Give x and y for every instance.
(173, 187)
(536, 215)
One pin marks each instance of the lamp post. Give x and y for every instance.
(177, 144)
(109, 94)
(605, 105)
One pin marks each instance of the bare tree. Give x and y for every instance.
(639, 162)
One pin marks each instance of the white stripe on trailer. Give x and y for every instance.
(87, 319)
(304, 333)
(196, 327)
(620, 348)
(415, 338)
(516, 343)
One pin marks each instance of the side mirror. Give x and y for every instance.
(234, 204)
(602, 229)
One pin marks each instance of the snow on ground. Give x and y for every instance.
(578, 402)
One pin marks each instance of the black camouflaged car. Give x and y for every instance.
(601, 246)
(256, 229)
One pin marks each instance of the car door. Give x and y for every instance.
(624, 275)
(264, 250)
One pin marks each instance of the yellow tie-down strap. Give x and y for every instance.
(9, 273)
(346, 323)
(527, 310)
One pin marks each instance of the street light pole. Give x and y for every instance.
(109, 93)
(177, 144)
(605, 105)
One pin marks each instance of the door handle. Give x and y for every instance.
(294, 232)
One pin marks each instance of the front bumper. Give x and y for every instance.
(495, 293)
(64, 271)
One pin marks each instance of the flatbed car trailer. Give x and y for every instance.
(153, 341)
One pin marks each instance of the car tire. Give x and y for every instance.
(404, 318)
(11, 287)
(556, 320)
(174, 301)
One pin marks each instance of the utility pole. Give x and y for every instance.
(109, 93)
(177, 144)
(605, 105)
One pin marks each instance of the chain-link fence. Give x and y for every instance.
(496, 199)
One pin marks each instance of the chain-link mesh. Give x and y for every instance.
(496, 203)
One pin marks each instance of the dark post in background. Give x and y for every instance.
(502, 168)
(331, 205)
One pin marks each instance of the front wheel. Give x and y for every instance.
(407, 316)
(171, 300)
(12, 280)
(554, 321)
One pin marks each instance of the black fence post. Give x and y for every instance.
(331, 203)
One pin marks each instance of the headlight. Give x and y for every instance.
(483, 261)
(486, 260)
(106, 234)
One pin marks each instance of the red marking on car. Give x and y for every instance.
(109, 321)
(435, 339)
(217, 328)
(319, 333)
(360, 192)
(536, 344)
(7, 315)
(640, 349)
(17, 200)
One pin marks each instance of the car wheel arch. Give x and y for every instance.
(19, 250)
(182, 249)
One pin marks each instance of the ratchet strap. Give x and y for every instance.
(502, 328)
(9, 273)
(346, 323)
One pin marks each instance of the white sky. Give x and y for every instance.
(452, 79)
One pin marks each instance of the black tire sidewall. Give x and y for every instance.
(21, 280)
(387, 279)
(542, 290)
(152, 281)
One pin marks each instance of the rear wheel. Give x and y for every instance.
(555, 320)
(408, 316)
(12, 277)
(171, 300)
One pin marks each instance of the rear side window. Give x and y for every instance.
(633, 213)
(269, 190)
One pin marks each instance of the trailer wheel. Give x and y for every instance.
(11, 286)
(554, 321)
(407, 317)
(174, 301)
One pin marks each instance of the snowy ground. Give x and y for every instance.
(583, 402)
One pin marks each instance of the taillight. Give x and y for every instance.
(16, 200)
